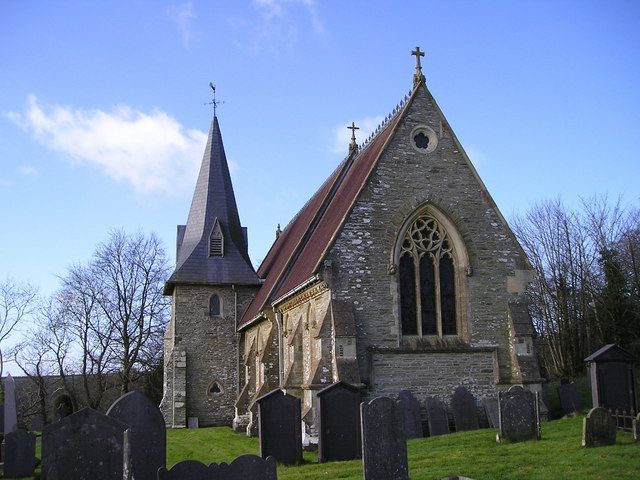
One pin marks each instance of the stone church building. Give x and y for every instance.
(399, 273)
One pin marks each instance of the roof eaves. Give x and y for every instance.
(397, 119)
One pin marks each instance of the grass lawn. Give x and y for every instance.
(473, 454)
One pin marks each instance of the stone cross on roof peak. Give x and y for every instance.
(418, 77)
(353, 145)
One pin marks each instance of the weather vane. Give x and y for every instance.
(214, 102)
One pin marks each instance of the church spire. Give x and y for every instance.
(212, 246)
(418, 77)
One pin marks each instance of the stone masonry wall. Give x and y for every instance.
(211, 348)
(404, 181)
(430, 374)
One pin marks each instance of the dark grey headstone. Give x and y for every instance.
(465, 410)
(519, 419)
(245, 467)
(187, 470)
(384, 449)
(411, 411)
(491, 409)
(20, 450)
(569, 398)
(280, 428)
(437, 417)
(598, 428)
(86, 444)
(62, 407)
(193, 422)
(339, 423)
(10, 412)
(248, 467)
(1, 418)
(147, 433)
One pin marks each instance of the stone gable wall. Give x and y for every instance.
(403, 181)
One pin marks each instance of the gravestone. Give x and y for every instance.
(86, 444)
(147, 433)
(411, 411)
(62, 407)
(36, 424)
(1, 418)
(437, 417)
(491, 409)
(636, 428)
(193, 422)
(10, 412)
(612, 376)
(569, 398)
(465, 410)
(519, 421)
(20, 452)
(384, 449)
(280, 428)
(339, 423)
(245, 467)
(598, 428)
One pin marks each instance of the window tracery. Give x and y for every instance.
(427, 270)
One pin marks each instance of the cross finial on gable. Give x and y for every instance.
(214, 102)
(353, 145)
(418, 77)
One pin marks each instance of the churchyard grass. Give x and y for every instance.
(473, 454)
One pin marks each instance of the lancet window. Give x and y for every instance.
(427, 269)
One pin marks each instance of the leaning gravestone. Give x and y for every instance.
(411, 411)
(465, 410)
(20, 450)
(86, 445)
(280, 428)
(339, 423)
(147, 433)
(569, 398)
(598, 428)
(437, 417)
(245, 467)
(10, 412)
(384, 449)
(519, 419)
(491, 409)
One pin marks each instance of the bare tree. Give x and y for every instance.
(129, 272)
(585, 265)
(17, 302)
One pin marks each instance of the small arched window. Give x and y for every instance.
(427, 270)
(215, 306)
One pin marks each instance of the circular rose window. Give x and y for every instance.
(424, 139)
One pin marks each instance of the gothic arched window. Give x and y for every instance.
(215, 306)
(427, 269)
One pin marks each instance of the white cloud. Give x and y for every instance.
(342, 135)
(276, 24)
(475, 155)
(28, 170)
(152, 152)
(182, 14)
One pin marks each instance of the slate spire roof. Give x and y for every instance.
(213, 207)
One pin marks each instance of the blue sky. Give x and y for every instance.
(103, 122)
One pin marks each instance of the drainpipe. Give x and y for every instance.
(235, 329)
(279, 328)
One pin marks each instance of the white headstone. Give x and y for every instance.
(10, 412)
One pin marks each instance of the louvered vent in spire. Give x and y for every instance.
(216, 241)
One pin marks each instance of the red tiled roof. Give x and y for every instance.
(297, 253)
